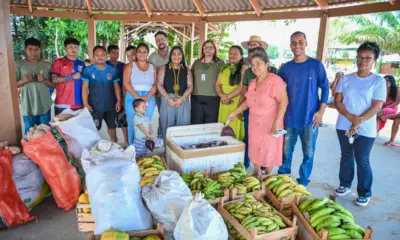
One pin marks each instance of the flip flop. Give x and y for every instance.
(387, 144)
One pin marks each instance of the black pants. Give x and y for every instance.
(205, 109)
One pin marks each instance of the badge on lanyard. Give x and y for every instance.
(203, 77)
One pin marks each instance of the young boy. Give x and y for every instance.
(101, 93)
(66, 74)
(142, 127)
(113, 52)
(33, 79)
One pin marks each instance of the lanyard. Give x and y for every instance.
(207, 65)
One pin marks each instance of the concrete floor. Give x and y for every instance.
(382, 214)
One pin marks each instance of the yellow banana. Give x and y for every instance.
(147, 170)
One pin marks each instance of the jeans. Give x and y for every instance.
(30, 121)
(246, 138)
(308, 137)
(360, 150)
(130, 111)
(158, 103)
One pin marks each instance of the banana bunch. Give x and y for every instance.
(325, 213)
(84, 199)
(150, 237)
(146, 181)
(237, 178)
(283, 186)
(255, 214)
(150, 166)
(198, 182)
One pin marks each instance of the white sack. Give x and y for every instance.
(200, 221)
(166, 199)
(114, 193)
(80, 131)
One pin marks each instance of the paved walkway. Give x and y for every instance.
(382, 214)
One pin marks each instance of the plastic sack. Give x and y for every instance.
(13, 211)
(61, 172)
(79, 131)
(105, 150)
(200, 221)
(114, 194)
(166, 199)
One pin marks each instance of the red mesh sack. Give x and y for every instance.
(61, 172)
(13, 211)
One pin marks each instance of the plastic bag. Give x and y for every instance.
(61, 172)
(29, 181)
(98, 154)
(13, 211)
(166, 199)
(79, 131)
(114, 194)
(200, 221)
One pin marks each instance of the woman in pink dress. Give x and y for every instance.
(267, 100)
(392, 101)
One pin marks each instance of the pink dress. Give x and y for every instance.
(386, 112)
(264, 149)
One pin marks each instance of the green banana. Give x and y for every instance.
(317, 204)
(345, 218)
(353, 226)
(272, 227)
(329, 223)
(276, 183)
(354, 234)
(320, 220)
(335, 231)
(278, 221)
(270, 180)
(306, 203)
(340, 236)
(341, 209)
(320, 213)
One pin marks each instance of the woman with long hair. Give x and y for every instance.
(204, 99)
(229, 88)
(139, 82)
(389, 107)
(175, 84)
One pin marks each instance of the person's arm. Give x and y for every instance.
(218, 89)
(153, 89)
(323, 84)
(378, 98)
(26, 78)
(144, 130)
(117, 91)
(41, 78)
(127, 82)
(283, 101)
(354, 119)
(393, 116)
(188, 90)
(395, 103)
(85, 95)
(241, 108)
(160, 86)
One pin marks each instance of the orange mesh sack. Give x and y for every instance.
(13, 211)
(60, 170)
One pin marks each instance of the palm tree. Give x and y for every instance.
(382, 28)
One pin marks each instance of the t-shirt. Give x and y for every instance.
(101, 87)
(140, 119)
(205, 86)
(68, 93)
(358, 94)
(35, 96)
(157, 60)
(303, 80)
(120, 71)
(248, 76)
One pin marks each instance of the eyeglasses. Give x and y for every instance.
(361, 59)
(208, 47)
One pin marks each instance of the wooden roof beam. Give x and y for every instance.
(176, 30)
(147, 7)
(322, 3)
(89, 7)
(392, 2)
(30, 6)
(200, 8)
(256, 6)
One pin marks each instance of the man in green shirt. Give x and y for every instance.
(33, 76)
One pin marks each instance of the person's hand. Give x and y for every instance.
(27, 77)
(171, 102)
(40, 77)
(355, 120)
(231, 117)
(384, 118)
(275, 128)
(118, 106)
(240, 116)
(318, 118)
(145, 98)
(89, 107)
(224, 98)
(76, 76)
(352, 130)
(178, 102)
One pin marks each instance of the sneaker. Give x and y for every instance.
(342, 191)
(362, 201)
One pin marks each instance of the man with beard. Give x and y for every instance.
(160, 58)
(130, 52)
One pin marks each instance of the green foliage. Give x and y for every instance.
(272, 51)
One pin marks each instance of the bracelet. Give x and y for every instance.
(166, 97)
(68, 78)
(183, 98)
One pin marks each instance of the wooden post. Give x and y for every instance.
(10, 119)
(323, 37)
(122, 42)
(184, 39)
(192, 45)
(202, 34)
(91, 37)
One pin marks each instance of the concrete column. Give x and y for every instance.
(10, 119)
(91, 37)
(202, 34)
(323, 37)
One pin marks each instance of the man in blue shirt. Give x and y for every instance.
(303, 76)
(121, 121)
(101, 93)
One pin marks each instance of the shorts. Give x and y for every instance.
(108, 117)
(120, 120)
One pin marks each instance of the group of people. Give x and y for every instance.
(246, 93)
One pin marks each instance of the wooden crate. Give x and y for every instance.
(85, 220)
(306, 231)
(159, 231)
(283, 205)
(290, 231)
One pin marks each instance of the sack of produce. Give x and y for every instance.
(114, 194)
(79, 130)
(105, 150)
(60, 170)
(200, 221)
(29, 181)
(13, 211)
(166, 199)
